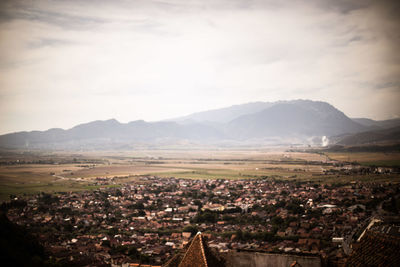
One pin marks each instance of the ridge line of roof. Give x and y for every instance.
(202, 249)
(188, 249)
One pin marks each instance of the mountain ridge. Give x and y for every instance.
(281, 122)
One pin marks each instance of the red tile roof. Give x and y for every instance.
(196, 254)
(376, 249)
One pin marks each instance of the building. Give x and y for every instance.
(196, 254)
(379, 246)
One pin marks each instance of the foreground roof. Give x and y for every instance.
(376, 249)
(196, 254)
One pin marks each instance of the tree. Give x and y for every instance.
(191, 228)
(277, 220)
(118, 193)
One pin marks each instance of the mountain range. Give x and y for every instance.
(258, 123)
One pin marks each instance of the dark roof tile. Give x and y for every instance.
(376, 249)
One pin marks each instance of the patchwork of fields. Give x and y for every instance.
(21, 174)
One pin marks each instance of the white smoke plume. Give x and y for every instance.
(325, 141)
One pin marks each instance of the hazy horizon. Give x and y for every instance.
(176, 119)
(69, 62)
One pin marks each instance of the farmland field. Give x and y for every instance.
(368, 159)
(60, 172)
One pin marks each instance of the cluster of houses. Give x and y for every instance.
(150, 220)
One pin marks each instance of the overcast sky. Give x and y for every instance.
(67, 62)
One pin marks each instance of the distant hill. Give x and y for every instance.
(295, 118)
(282, 122)
(385, 124)
(386, 136)
(224, 115)
(110, 134)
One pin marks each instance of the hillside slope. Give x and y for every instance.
(282, 122)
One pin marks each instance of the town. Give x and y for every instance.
(148, 220)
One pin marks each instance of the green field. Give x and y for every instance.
(368, 159)
(8, 189)
(324, 179)
(382, 163)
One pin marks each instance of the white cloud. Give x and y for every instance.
(67, 62)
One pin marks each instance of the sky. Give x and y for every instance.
(68, 62)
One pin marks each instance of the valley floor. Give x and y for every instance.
(33, 172)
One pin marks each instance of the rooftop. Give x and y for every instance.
(376, 249)
(197, 253)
